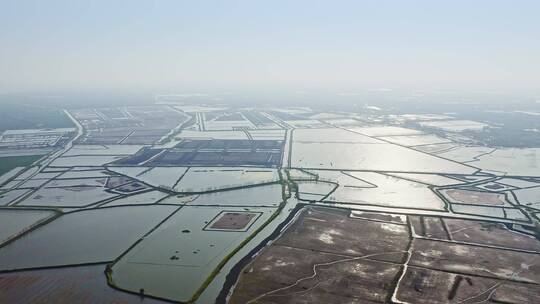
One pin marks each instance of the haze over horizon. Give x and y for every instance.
(248, 151)
(297, 46)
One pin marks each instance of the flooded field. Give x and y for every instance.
(85, 160)
(82, 237)
(163, 177)
(67, 197)
(217, 205)
(415, 140)
(16, 222)
(428, 179)
(376, 131)
(263, 195)
(520, 162)
(9, 196)
(186, 248)
(454, 125)
(150, 197)
(387, 191)
(476, 197)
(79, 284)
(204, 179)
(370, 156)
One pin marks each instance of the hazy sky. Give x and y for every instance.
(297, 45)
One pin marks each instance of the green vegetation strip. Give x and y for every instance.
(285, 195)
(10, 162)
(26, 116)
(218, 268)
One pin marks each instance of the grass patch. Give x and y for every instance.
(10, 162)
(15, 116)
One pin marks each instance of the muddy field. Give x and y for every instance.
(431, 286)
(319, 259)
(233, 220)
(327, 255)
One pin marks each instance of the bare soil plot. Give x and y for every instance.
(232, 221)
(313, 260)
(516, 293)
(291, 275)
(316, 259)
(428, 226)
(490, 233)
(425, 286)
(385, 217)
(432, 286)
(476, 260)
(332, 230)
